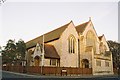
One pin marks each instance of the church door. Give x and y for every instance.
(37, 60)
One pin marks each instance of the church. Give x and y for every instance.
(71, 46)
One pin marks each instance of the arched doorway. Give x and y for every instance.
(37, 60)
(85, 63)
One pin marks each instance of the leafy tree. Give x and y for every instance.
(13, 51)
(115, 49)
(21, 48)
(8, 54)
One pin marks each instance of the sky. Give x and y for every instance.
(28, 20)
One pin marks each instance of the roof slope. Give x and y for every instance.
(55, 34)
(100, 37)
(50, 52)
(80, 28)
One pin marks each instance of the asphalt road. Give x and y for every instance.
(15, 76)
(12, 75)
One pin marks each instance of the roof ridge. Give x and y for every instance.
(59, 27)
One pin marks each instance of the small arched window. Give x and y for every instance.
(71, 44)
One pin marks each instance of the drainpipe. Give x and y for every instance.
(93, 63)
(79, 53)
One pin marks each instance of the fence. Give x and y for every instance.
(46, 70)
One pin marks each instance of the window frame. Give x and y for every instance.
(107, 64)
(71, 44)
(53, 62)
(98, 62)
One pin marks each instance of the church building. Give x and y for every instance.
(71, 46)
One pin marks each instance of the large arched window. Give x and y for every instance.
(71, 44)
(91, 40)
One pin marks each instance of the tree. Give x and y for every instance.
(9, 52)
(21, 48)
(13, 51)
(115, 49)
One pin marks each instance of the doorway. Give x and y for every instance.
(85, 63)
(37, 60)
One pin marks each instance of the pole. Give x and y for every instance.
(43, 51)
(42, 56)
(41, 64)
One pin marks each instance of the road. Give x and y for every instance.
(11, 75)
(6, 74)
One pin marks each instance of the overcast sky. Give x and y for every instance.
(27, 20)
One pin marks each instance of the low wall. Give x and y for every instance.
(46, 70)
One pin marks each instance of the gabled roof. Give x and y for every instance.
(80, 28)
(50, 52)
(55, 34)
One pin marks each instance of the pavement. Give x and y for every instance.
(14, 75)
